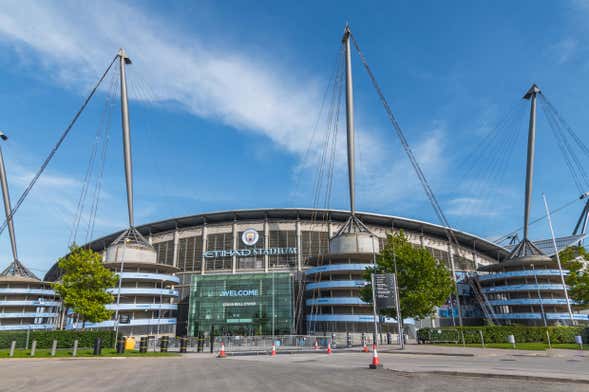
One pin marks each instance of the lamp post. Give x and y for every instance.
(564, 287)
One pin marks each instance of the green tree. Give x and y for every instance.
(574, 259)
(423, 281)
(83, 285)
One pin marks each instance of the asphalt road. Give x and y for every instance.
(283, 373)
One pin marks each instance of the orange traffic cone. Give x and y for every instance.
(222, 351)
(329, 348)
(316, 345)
(375, 361)
(273, 349)
(364, 347)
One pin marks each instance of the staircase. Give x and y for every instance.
(481, 297)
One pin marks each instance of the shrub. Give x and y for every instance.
(498, 334)
(64, 338)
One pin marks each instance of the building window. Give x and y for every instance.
(313, 244)
(219, 242)
(242, 304)
(282, 239)
(190, 254)
(165, 252)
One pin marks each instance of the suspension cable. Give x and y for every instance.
(401, 135)
(56, 147)
(553, 212)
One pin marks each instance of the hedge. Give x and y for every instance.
(498, 334)
(65, 339)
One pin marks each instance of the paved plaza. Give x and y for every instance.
(470, 370)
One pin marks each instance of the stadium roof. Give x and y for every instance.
(320, 215)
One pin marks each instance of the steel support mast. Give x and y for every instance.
(531, 96)
(124, 60)
(349, 118)
(6, 197)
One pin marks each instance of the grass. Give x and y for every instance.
(522, 346)
(64, 353)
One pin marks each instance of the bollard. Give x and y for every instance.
(389, 338)
(75, 350)
(97, 346)
(33, 348)
(363, 339)
(121, 345)
(348, 340)
(12, 348)
(53, 347)
(164, 341)
(511, 339)
(143, 344)
(333, 342)
(183, 344)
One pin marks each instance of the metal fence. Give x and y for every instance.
(204, 344)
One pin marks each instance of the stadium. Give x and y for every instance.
(233, 268)
(300, 270)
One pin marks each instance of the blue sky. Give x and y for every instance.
(226, 95)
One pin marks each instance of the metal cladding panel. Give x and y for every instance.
(332, 284)
(523, 273)
(18, 290)
(24, 327)
(118, 253)
(337, 267)
(522, 287)
(353, 243)
(148, 277)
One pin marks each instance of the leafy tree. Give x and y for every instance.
(423, 281)
(84, 283)
(574, 259)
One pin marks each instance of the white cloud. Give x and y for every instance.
(396, 179)
(469, 207)
(565, 49)
(248, 91)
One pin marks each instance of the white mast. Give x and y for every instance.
(124, 60)
(350, 118)
(6, 197)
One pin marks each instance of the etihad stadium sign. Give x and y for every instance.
(251, 252)
(250, 237)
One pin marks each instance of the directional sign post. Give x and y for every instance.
(384, 291)
(385, 296)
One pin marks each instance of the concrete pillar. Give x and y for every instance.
(299, 247)
(204, 249)
(329, 228)
(266, 242)
(234, 246)
(175, 255)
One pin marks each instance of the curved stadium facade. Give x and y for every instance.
(231, 270)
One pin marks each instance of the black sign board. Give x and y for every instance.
(124, 319)
(384, 291)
